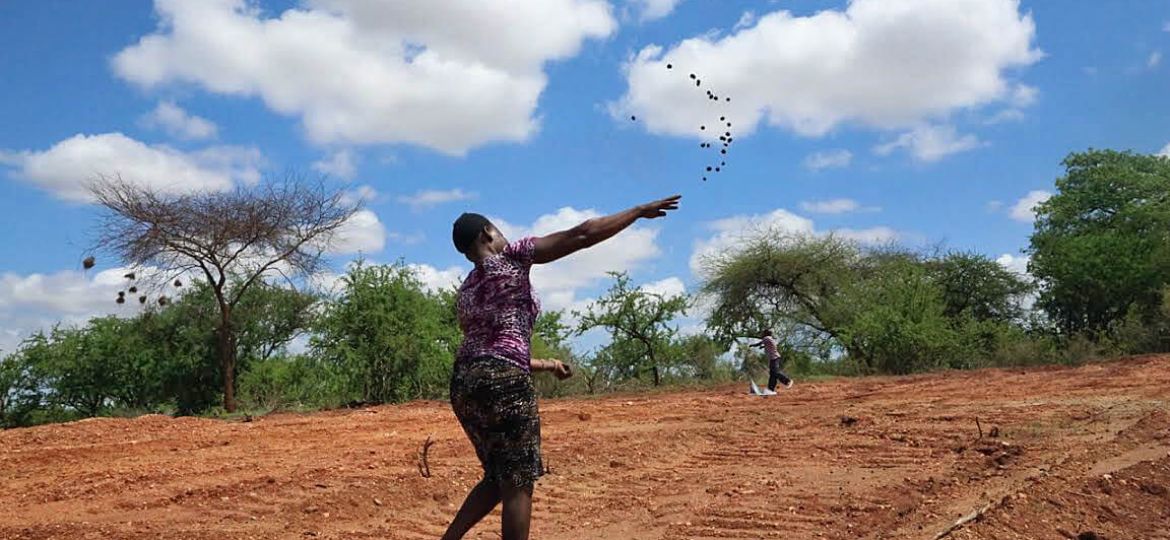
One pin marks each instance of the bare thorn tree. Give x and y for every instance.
(232, 239)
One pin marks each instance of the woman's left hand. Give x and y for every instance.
(562, 370)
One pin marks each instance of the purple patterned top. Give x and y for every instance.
(772, 352)
(497, 307)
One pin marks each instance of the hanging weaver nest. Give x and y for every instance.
(88, 262)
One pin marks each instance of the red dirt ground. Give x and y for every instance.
(1078, 451)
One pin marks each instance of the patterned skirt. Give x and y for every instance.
(496, 405)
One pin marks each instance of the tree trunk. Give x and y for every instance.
(226, 343)
(653, 362)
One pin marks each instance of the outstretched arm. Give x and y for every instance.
(559, 369)
(591, 232)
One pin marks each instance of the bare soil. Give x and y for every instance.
(1064, 453)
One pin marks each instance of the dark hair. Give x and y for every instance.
(467, 230)
(766, 333)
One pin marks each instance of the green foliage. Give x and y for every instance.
(182, 337)
(552, 331)
(896, 321)
(161, 360)
(550, 338)
(389, 339)
(81, 369)
(884, 311)
(639, 325)
(981, 288)
(699, 357)
(291, 382)
(785, 282)
(1099, 252)
(1100, 244)
(20, 397)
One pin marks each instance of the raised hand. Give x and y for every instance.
(659, 208)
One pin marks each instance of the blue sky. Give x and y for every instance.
(908, 120)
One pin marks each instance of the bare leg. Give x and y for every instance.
(517, 511)
(479, 502)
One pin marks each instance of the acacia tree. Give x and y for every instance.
(888, 309)
(785, 282)
(976, 286)
(636, 318)
(232, 239)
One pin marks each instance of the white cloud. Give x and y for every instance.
(66, 167)
(655, 9)
(33, 302)
(431, 198)
(1165, 151)
(834, 206)
(558, 282)
(731, 232)
(363, 233)
(886, 64)
(872, 236)
(1004, 116)
(828, 160)
(326, 281)
(177, 123)
(747, 19)
(406, 239)
(1154, 60)
(1015, 263)
(339, 164)
(445, 74)
(1025, 209)
(930, 143)
(671, 286)
(364, 193)
(434, 279)
(1024, 96)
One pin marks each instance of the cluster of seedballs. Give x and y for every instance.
(724, 140)
(89, 263)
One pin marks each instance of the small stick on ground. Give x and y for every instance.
(980, 428)
(963, 521)
(424, 467)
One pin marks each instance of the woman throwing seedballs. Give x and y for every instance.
(491, 387)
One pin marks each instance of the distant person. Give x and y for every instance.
(775, 363)
(491, 386)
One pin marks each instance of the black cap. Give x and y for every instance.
(467, 230)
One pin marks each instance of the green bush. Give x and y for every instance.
(387, 338)
(294, 382)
